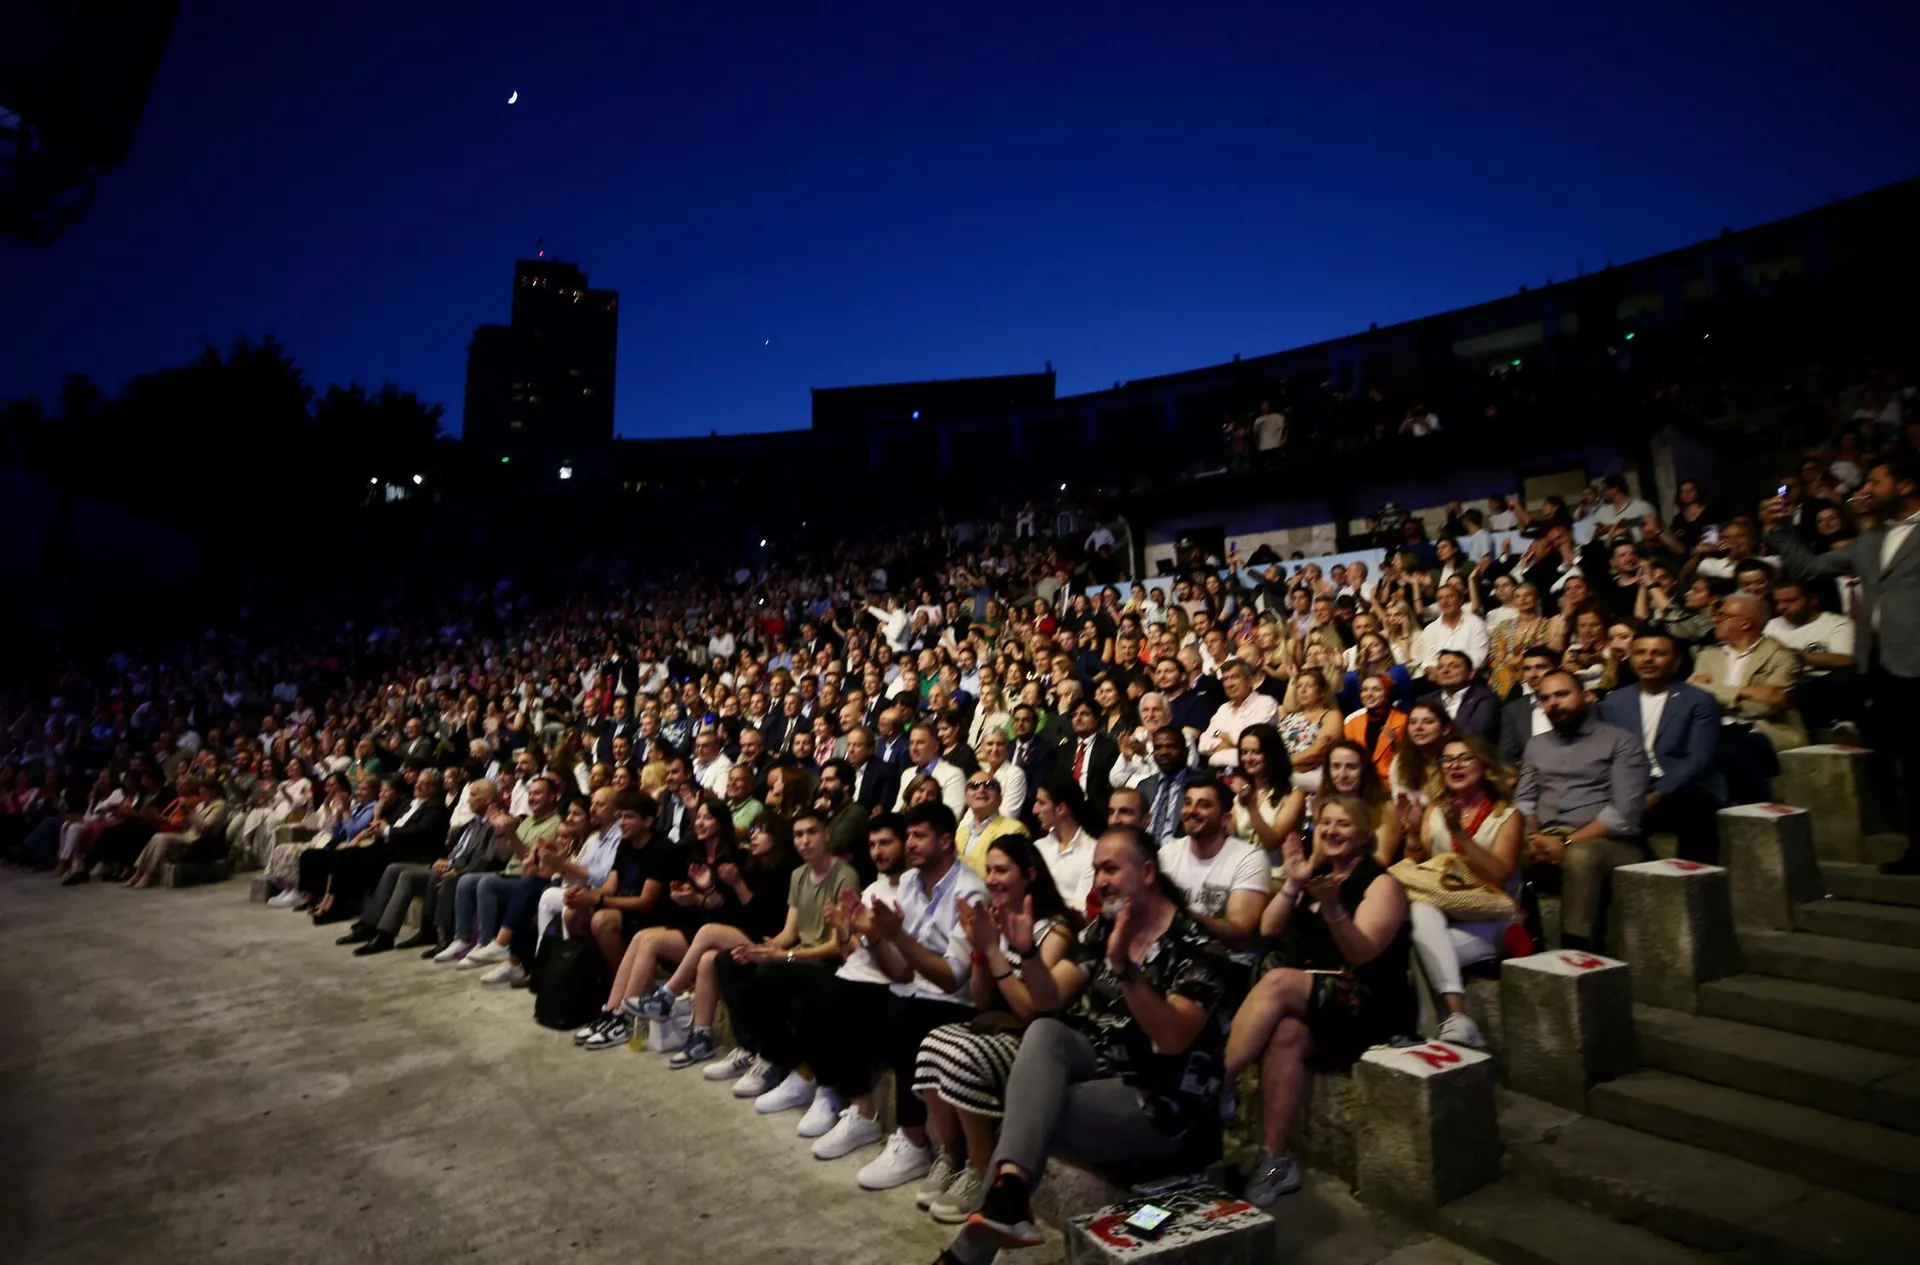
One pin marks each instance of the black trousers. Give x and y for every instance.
(1748, 762)
(353, 871)
(1689, 815)
(1893, 703)
(766, 1002)
(862, 1028)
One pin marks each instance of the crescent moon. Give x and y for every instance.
(514, 97)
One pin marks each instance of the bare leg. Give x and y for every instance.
(706, 987)
(710, 937)
(639, 959)
(980, 1132)
(1283, 1074)
(1279, 993)
(605, 926)
(943, 1122)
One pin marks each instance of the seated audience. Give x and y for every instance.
(1753, 678)
(1679, 727)
(1582, 790)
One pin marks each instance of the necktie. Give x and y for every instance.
(1020, 753)
(1080, 761)
(1160, 803)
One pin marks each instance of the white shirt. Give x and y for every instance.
(1632, 513)
(953, 786)
(1825, 633)
(1237, 867)
(713, 777)
(1230, 720)
(1013, 788)
(1897, 534)
(1101, 536)
(1737, 665)
(1722, 568)
(1269, 431)
(598, 859)
(1071, 866)
(860, 966)
(1652, 708)
(1540, 722)
(932, 920)
(1469, 636)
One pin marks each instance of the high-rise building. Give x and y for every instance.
(547, 376)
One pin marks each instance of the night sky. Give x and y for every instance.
(931, 189)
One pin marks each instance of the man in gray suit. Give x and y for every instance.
(1886, 559)
(472, 849)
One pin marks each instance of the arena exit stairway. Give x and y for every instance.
(1779, 1124)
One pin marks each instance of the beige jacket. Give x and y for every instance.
(1770, 663)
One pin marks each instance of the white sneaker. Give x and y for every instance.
(939, 1177)
(1458, 1029)
(962, 1198)
(851, 1132)
(822, 1116)
(757, 1080)
(452, 953)
(289, 899)
(793, 1092)
(731, 1068)
(490, 953)
(511, 973)
(668, 1035)
(900, 1163)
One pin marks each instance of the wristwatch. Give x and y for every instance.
(1133, 971)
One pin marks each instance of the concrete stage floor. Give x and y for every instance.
(186, 1077)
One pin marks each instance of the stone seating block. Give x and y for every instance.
(190, 874)
(1834, 783)
(1208, 1227)
(1769, 854)
(1566, 1024)
(259, 890)
(1675, 922)
(1426, 1132)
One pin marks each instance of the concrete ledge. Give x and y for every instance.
(1427, 1133)
(184, 874)
(1567, 1022)
(1768, 851)
(1835, 785)
(1675, 922)
(259, 890)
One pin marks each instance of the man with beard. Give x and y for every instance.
(1886, 651)
(1583, 786)
(845, 817)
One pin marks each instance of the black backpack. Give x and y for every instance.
(567, 982)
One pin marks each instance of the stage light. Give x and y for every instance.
(417, 480)
(566, 472)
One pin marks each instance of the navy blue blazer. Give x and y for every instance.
(1688, 740)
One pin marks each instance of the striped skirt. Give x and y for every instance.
(967, 1069)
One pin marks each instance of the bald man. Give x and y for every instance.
(1752, 677)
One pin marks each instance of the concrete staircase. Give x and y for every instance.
(1779, 1124)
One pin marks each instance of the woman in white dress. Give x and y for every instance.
(292, 799)
(1473, 815)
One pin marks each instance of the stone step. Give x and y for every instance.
(1843, 1079)
(1514, 1225)
(1867, 883)
(1697, 1198)
(1858, 920)
(1816, 1010)
(1887, 969)
(1863, 1159)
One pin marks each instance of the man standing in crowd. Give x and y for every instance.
(1886, 559)
(1583, 788)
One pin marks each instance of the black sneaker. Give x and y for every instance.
(582, 1035)
(609, 1036)
(1007, 1214)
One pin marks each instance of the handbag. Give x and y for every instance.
(1448, 883)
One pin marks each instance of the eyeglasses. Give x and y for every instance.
(1457, 761)
(981, 786)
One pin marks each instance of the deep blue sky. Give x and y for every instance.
(928, 189)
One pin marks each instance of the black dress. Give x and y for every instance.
(1353, 1008)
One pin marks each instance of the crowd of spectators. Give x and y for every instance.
(1064, 852)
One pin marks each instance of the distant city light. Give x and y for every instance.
(417, 480)
(1063, 487)
(566, 472)
(375, 479)
(916, 415)
(763, 542)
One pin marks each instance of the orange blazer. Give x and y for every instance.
(1388, 742)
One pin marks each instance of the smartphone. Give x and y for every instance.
(1710, 536)
(1783, 491)
(1148, 1220)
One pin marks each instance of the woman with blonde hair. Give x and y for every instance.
(991, 712)
(1472, 816)
(1308, 723)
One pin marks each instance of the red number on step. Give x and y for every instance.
(1435, 1055)
(1582, 961)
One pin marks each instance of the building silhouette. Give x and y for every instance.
(547, 376)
